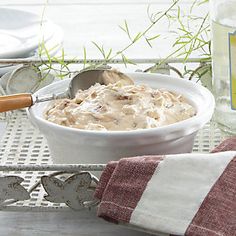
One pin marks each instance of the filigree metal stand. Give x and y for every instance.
(73, 185)
(160, 65)
(29, 180)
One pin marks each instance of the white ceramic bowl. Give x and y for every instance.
(69, 145)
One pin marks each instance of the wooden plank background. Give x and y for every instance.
(98, 20)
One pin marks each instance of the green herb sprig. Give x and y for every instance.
(187, 41)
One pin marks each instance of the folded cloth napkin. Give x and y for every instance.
(182, 194)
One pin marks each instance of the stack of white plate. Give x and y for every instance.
(22, 32)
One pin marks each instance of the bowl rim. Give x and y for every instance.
(206, 114)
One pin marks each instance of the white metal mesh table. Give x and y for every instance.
(23, 145)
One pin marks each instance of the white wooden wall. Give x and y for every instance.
(97, 20)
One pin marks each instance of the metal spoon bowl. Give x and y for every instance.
(81, 81)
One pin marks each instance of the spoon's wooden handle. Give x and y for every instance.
(17, 101)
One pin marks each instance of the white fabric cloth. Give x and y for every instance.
(178, 179)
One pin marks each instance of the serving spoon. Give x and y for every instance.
(81, 81)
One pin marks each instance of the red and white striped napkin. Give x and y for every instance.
(183, 194)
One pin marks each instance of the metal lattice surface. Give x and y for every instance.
(22, 144)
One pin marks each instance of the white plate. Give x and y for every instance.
(21, 32)
(53, 45)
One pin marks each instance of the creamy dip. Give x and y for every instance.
(120, 107)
